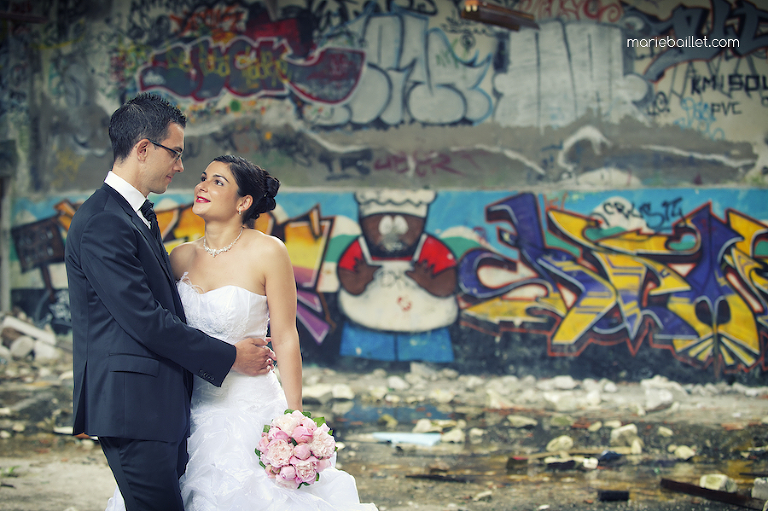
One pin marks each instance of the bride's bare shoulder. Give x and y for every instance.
(265, 247)
(181, 257)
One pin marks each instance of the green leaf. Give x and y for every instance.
(266, 428)
(307, 414)
(287, 411)
(319, 421)
(262, 464)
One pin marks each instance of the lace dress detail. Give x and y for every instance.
(223, 473)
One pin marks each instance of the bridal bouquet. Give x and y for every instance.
(295, 448)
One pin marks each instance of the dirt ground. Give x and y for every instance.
(48, 472)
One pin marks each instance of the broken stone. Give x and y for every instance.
(718, 482)
(426, 426)
(456, 436)
(561, 443)
(760, 488)
(560, 401)
(665, 432)
(441, 396)
(322, 393)
(342, 391)
(378, 393)
(520, 421)
(397, 383)
(423, 370)
(624, 435)
(483, 496)
(658, 398)
(595, 427)
(45, 352)
(22, 347)
(683, 452)
(496, 401)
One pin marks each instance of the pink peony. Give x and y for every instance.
(323, 444)
(263, 443)
(271, 471)
(278, 434)
(323, 464)
(305, 471)
(279, 452)
(302, 435)
(287, 477)
(309, 424)
(302, 451)
(287, 422)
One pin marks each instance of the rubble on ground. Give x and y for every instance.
(555, 424)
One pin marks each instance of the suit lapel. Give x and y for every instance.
(157, 248)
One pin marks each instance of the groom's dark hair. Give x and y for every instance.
(145, 116)
(254, 181)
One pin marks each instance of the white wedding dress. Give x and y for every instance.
(223, 473)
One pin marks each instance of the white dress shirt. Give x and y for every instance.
(134, 197)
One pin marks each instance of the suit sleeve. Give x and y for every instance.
(111, 262)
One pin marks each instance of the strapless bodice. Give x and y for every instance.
(229, 313)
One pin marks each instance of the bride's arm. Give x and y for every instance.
(280, 287)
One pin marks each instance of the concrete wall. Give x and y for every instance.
(597, 208)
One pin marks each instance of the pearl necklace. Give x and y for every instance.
(217, 251)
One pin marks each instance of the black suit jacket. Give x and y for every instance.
(134, 356)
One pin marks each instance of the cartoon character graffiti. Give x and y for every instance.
(398, 283)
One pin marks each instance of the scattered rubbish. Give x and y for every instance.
(428, 439)
(608, 456)
(444, 477)
(612, 495)
(736, 499)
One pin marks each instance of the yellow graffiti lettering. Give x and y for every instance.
(589, 307)
(573, 226)
(748, 229)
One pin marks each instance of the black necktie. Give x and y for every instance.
(149, 214)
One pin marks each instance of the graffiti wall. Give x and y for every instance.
(671, 275)
(588, 189)
(602, 93)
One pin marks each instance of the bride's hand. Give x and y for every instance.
(254, 357)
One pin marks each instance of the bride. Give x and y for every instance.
(234, 282)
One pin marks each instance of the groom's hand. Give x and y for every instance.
(254, 357)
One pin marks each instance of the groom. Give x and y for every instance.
(134, 356)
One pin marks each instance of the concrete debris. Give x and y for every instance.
(561, 443)
(718, 482)
(683, 452)
(520, 421)
(484, 496)
(20, 339)
(760, 488)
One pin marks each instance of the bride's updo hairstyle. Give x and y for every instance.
(254, 181)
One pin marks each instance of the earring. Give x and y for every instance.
(239, 212)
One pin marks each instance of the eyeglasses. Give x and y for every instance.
(176, 154)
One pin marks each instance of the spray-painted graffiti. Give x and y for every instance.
(40, 244)
(697, 289)
(203, 70)
(571, 10)
(392, 274)
(740, 21)
(397, 282)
